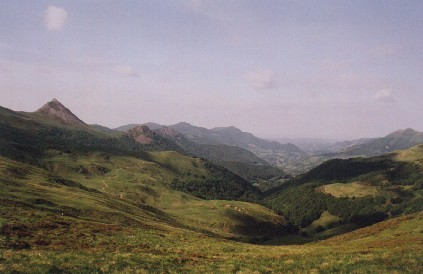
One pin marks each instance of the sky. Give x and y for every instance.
(294, 69)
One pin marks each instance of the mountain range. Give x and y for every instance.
(221, 135)
(228, 147)
(397, 140)
(238, 151)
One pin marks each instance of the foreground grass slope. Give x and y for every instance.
(95, 213)
(63, 244)
(127, 189)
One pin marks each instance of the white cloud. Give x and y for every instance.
(126, 71)
(55, 18)
(261, 79)
(384, 96)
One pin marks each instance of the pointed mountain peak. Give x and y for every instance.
(58, 111)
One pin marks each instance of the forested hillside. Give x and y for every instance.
(358, 191)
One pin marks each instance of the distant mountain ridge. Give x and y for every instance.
(238, 160)
(240, 152)
(321, 150)
(231, 136)
(397, 140)
(221, 135)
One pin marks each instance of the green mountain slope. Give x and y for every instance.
(43, 159)
(358, 191)
(28, 136)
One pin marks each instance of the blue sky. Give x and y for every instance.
(329, 69)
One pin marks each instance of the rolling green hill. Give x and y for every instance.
(51, 169)
(33, 239)
(358, 191)
(27, 137)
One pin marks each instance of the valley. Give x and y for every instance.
(77, 198)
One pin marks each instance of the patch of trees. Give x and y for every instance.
(255, 172)
(302, 205)
(405, 173)
(219, 184)
(338, 169)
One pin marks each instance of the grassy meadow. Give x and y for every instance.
(350, 190)
(61, 245)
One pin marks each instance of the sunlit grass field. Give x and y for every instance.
(350, 190)
(67, 245)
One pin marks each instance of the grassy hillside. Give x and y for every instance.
(27, 137)
(359, 191)
(65, 244)
(351, 190)
(43, 160)
(126, 189)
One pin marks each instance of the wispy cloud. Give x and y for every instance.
(55, 18)
(384, 96)
(263, 79)
(126, 71)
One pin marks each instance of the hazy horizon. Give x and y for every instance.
(278, 69)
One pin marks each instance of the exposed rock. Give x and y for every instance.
(142, 134)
